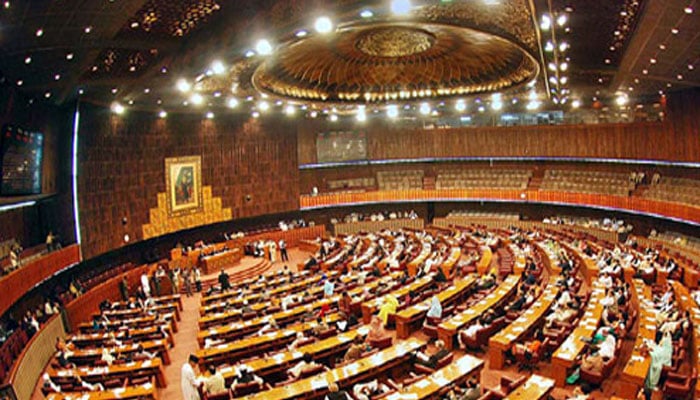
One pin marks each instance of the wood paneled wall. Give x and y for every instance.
(251, 164)
(676, 139)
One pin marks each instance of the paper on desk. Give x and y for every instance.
(423, 383)
(319, 383)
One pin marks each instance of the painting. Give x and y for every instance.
(183, 182)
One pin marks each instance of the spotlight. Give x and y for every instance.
(162, 114)
(392, 111)
(361, 114)
(209, 115)
(263, 106)
(117, 108)
(621, 100)
(561, 20)
(290, 110)
(366, 14)
(460, 106)
(323, 25)
(401, 7)
(576, 104)
(301, 33)
(546, 22)
(196, 99)
(424, 109)
(263, 47)
(333, 118)
(232, 102)
(255, 114)
(183, 86)
(549, 47)
(218, 67)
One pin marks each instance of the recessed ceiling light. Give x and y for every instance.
(210, 115)
(7, 4)
(159, 101)
(118, 108)
(114, 90)
(162, 114)
(131, 102)
(132, 68)
(662, 46)
(263, 47)
(323, 25)
(366, 14)
(218, 67)
(546, 22)
(69, 56)
(263, 106)
(401, 7)
(333, 118)
(290, 110)
(645, 71)
(424, 109)
(680, 77)
(39, 32)
(652, 60)
(232, 102)
(576, 104)
(28, 60)
(57, 77)
(688, 10)
(392, 111)
(20, 82)
(81, 91)
(196, 99)
(147, 90)
(256, 114)
(301, 33)
(607, 61)
(249, 53)
(134, 25)
(674, 31)
(183, 86)
(88, 29)
(164, 70)
(691, 67)
(561, 20)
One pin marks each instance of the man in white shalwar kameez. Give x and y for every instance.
(188, 379)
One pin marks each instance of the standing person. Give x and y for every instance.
(156, 284)
(15, 261)
(146, 284)
(188, 379)
(223, 281)
(283, 250)
(176, 280)
(50, 238)
(187, 277)
(124, 289)
(197, 279)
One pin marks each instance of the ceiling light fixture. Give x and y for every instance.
(232, 102)
(263, 47)
(392, 111)
(401, 7)
(218, 67)
(323, 25)
(183, 86)
(117, 108)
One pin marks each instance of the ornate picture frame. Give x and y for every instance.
(183, 185)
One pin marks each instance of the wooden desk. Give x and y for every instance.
(451, 260)
(564, 357)
(99, 338)
(535, 388)
(136, 312)
(167, 299)
(369, 307)
(282, 361)
(258, 287)
(88, 356)
(216, 262)
(637, 366)
(432, 385)
(504, 340)
(146, 391)
(485, 260)
(414, 264)
(363, 369)
(447, 331)
(410, 315)
(152, 367)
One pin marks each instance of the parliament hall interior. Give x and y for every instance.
(356, 200)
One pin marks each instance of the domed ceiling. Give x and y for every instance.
(391, 61)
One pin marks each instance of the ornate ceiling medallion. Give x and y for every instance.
(394, 41)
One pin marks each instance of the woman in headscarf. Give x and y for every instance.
(661, 354)
(435, 310)
(391, 304)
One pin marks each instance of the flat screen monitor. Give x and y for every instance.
(22, 156)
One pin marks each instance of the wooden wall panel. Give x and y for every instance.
(676, 139)
(122, 168)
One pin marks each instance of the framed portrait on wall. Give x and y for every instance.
(183, 183)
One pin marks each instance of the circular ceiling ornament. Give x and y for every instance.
(394, 41)
(394, 61)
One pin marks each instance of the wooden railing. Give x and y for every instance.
(17, 283)
(685, 212)
(375, 226)
(27, 368)
(82, 308)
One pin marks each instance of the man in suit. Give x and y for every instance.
(430, 360)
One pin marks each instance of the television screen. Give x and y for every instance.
(22, 154)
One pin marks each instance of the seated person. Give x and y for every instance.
(271, 326)
(369, 390)
(390, 305)
(593, 363)
(582, 392)
(486, 282)
(305, 364)
(528, 348)
(471, 390)
(435, 310)
(214, 383)
(334, 393)
(431, 359)
(356, 349)
(345, 321)
(607, 346)
(320, 327)
(376, 330)
(243, 374)
(300, 338)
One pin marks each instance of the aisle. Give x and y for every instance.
(185, 344)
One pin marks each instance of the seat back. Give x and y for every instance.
(242, 389)
(382, 343)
